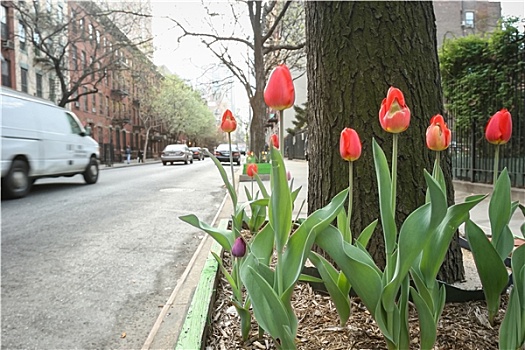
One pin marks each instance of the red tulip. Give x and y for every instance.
(274, 140)
(438, 134)
(252, 169)
(229, 124)
(350, 145)
(279, 92)
(394, 115)
(239, 247)
(499, 128)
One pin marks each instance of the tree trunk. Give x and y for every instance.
(355, 52)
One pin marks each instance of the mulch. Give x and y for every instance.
(462, 326)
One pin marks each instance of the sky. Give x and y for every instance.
(188, 57)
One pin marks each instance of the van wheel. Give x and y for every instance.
(17, 183)
(91, 173)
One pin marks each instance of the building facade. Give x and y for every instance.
(72, 54)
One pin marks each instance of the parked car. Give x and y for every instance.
(176, 153)
(197, 153)
(222, 153)
(206, 152)
(40, 139)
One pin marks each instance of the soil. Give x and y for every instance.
(462, 325)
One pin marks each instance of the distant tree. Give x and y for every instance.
(301, 119)
(479, 73)
(277, 36)
(55, 36)
(182, 109)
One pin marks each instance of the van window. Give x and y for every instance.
(75, 127)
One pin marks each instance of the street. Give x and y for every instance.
(90, 266)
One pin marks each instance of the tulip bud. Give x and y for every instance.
(438, 134)
(349, 145)
(252, 169)
(288, 175)
(229, 124)
(279, 93)
(274, 140)
(239, 247)
(499, 128)
(394, 115)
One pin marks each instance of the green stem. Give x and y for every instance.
(237, 279)
(496, 165)
(438, 160)
(394, 173)
(231, 159)
(350, 200)
(279, 273)
(252, 190)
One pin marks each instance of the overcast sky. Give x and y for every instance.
(187, 58)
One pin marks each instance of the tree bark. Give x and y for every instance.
(356, 50)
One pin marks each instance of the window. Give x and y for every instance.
(52, 93)
(105, 43)
(23, 78)
(74, 58)
(49, 6)
(22, 36)
(3, 21)
(6, 72)
(74, 21)
(75, 128)
(107, 106)
(83, 60)
(36, 38)
(90, 31)
(39, 85)
(86, 102)
(97, 37)
(94, 103)
(81, 26)
(101, 101)
(469, 19)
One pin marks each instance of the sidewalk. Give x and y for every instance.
(133, 162)
(166, 331)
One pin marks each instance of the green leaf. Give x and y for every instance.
(225, 238)
(499, 215)
(300, 243)
(280, 208)
(342, 225)
(227, 183)
(384, 184)
(308, 278)
(330, 277)
(427, 325)
(262, 244)
(268, 308)
(434, 254)
(491, 269)
(229, 277)
(510, 328)
(367, 232)
(416, 232)
(358, 267)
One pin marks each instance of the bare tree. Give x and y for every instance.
(57, 37)
(277, 36)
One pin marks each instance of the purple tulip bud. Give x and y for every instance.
(239, 247)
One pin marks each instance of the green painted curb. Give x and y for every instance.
(193, 332)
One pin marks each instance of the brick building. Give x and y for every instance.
(460, 18)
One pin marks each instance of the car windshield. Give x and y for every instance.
(226, 147)
(195, 148)
(175, 148)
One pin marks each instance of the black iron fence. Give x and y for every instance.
(472, 155)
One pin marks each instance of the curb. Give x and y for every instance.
(517, 194)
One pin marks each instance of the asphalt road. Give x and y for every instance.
(90, 266)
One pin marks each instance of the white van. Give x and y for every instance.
(40, 139)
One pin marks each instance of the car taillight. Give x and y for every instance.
(217, 153)
(235, 153)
